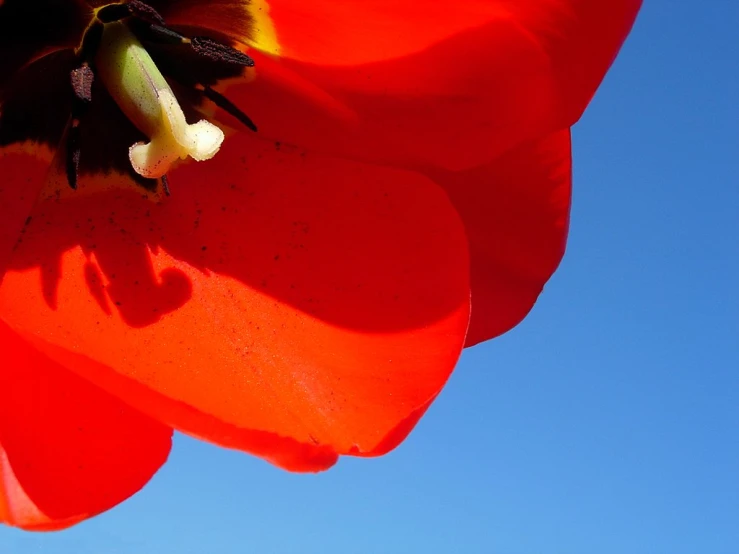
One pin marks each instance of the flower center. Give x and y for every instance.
(143, 94)
(111, 94)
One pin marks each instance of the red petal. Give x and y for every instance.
(516, 212)
(290, 305)
(451, 85)
(68, 450)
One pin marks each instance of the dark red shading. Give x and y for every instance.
(516, 212)
(68, 450)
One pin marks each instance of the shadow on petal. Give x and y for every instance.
(22, 176)
(323, 235)
(287, 304)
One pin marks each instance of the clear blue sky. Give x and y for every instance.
(608, 422)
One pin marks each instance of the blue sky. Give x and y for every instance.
(608, 422)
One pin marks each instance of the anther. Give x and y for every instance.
(81, 80)
(203, 46)
(220, 52)
(132, 8)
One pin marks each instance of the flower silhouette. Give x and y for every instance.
(306, 290)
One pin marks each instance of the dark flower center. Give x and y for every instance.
(110, 86)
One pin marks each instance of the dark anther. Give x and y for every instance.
(82, 79)
(144, 11)
(165, 184)
(135, 8)
(229, 107)
(203, 46)
(220, 52)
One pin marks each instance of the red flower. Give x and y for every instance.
(306, 293)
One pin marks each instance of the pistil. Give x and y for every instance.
(143, 94)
